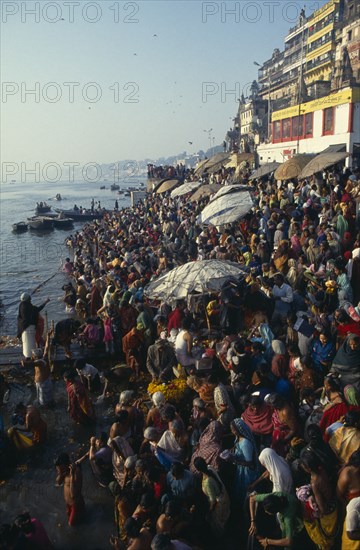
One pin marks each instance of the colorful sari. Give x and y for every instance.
(245, 451)
(215, 492)
(209, 446)
(333, 414)
(323, 531)
(259, 420)
(81, 409)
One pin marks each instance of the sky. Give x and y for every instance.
(116, 80)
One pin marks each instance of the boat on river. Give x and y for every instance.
(115, 187)
(20, 227)
(42, 208)
(63, 223)
(82, 215)
(41, 223)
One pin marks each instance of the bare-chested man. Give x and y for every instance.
(70, 476)
(42, 378)
(348, 485)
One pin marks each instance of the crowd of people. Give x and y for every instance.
(259, 449)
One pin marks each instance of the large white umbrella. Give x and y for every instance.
(226, 209)
(185, 188)
(227, 189)
(194, 277)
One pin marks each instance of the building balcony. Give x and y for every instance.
(317, 64)
(293, 50)
(294, 31)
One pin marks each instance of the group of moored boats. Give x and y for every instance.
(44, 220)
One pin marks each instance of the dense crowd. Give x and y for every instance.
(249, 434)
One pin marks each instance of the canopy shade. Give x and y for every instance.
(185, 188)
(320, 162)
(212, 164)
(237, 158)
(292, 167)
(194, 277)
(205, 191)
(167, 185)
(200, 165)
(226, 208)
(229, 189)
(264, 170)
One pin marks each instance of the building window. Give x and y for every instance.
(277, 131)
(309, 125)
(298, 126)
(349, 36)
(328, 121)
(286, 129)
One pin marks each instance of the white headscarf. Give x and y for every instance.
(279, 470)
(158, 398)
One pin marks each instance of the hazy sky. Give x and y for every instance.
(182, 81)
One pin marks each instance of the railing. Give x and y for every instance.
(318, 62)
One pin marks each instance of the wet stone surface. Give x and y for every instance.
(30, 485)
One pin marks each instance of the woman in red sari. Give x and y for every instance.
(337, 406)
(80, 407)
(286, 424)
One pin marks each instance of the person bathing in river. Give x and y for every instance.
(70, 476)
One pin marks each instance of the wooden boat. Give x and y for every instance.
(41, 223)
(20, 227)
(103, 187)
(63, 223)
(42, 209)
(115, 187)
(78, 216)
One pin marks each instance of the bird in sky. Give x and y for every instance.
(190, 142)
(135, 53)
(155, 35)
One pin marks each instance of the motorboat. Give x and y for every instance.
(82, 215)
(20, 227)
(42, 208)
(63, 222)
(115, 187)
(41, 223)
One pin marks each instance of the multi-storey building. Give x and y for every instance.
(312, 87)
(331, 121)
(302, 71)
(321, 41)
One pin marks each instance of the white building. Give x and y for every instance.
(312, 127)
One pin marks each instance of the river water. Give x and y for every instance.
(29, 259)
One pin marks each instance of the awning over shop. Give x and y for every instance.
(338, 148)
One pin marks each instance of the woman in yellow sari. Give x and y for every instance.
(321, 515)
